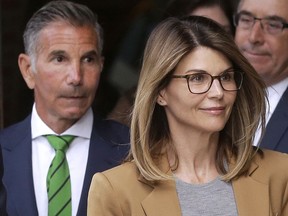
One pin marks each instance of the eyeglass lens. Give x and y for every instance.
(201, 82)
(269, 25)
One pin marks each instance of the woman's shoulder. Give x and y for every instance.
(270, 157)
(125, 180)
(271, 164)
(127, 169)
(120, 176)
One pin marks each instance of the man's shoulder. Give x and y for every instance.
(14, 129)
(110, 129)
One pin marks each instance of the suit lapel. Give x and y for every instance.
(102, 155)
(94, 164)
(252, 196)
(18, 160)
(277, 125)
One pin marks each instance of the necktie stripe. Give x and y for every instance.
(63, 208)
(59, 189)
(57, 168)
(58, 178)
(66, 141)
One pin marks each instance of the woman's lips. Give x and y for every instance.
(214, 110)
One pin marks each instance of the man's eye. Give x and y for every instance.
(89, 59)
(59, 58)
(274, 24)
(245, 19)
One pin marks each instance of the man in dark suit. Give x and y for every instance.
(62, 63)
(262, 35)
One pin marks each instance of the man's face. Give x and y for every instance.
(67, 72)
(266, 52)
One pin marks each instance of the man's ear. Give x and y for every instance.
(102, 59)
(24, 63)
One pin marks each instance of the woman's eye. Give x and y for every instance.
(227, 77)
(197, 78)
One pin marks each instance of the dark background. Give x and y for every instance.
(126, 24)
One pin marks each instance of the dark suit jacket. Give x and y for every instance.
(262, 192)
(105, 152)
(276, 135)
(2, 189)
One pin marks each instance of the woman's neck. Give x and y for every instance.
(197, 157)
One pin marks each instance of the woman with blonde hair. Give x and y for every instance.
(197, 107)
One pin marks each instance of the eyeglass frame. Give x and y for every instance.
(187, 77)
(272, 18)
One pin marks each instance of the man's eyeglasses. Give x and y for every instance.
(270, 25)
(200, 82)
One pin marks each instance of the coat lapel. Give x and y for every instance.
(18, 178)
(163, 193)
(252, 196)
(165, 196)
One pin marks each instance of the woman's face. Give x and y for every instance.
(207, 112)
(215, 13)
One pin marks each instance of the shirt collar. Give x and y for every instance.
(82, 128)
(278, 88)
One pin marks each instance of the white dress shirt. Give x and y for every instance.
(43, 153)
(274, 94)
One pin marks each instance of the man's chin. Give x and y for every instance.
(74, 114)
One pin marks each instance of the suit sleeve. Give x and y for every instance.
(102, 198)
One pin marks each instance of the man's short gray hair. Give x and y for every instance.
(59, 10)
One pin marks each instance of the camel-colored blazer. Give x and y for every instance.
(122, 191)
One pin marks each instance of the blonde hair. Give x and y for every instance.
(169, 42)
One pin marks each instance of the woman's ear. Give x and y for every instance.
(24, 63)
(161, 98)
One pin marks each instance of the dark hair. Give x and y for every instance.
(179, 8)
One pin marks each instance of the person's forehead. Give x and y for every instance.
(213, 12)
(268, 8)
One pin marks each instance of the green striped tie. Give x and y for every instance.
(58, 178)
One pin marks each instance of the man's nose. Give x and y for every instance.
(75, 74)
(256, 32)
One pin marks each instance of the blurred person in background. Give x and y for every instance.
(262, 36)
(220, 11)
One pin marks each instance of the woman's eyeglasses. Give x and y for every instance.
(200, 82)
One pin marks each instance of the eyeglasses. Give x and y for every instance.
(270, 25)
(201, 82)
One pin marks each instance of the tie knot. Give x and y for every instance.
(60, 142)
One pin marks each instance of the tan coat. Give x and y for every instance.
(122, 191)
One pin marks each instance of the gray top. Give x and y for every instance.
(215, 198)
